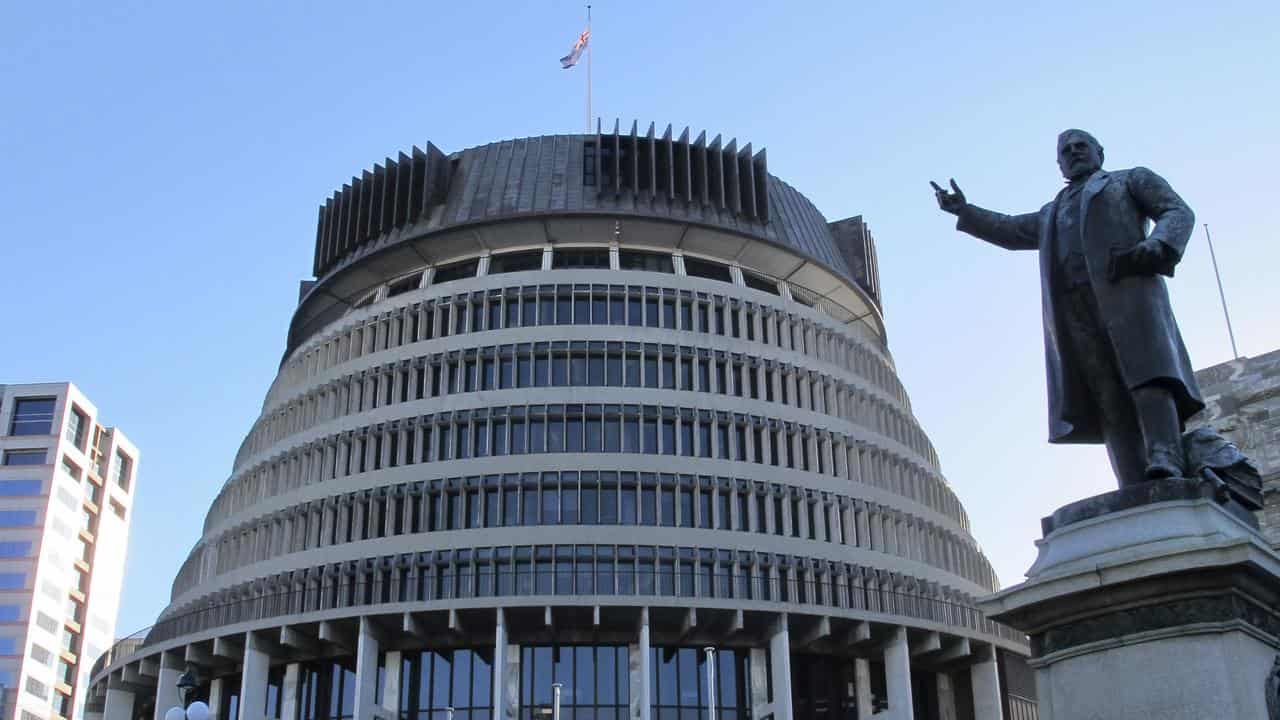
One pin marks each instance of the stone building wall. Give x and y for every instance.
(1243, 403)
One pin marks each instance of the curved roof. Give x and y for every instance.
(648, 175)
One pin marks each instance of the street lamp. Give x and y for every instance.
(188, 710)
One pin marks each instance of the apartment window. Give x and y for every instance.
(46, 623)
(515, 262)
(76, 425)
(17, 518)
(15, 549)
(37, 688)
(10, 613)
(648, 261)
(455, 271)
(69, 468)
(581, 258)
(706, 269)
(12, 488)
(13, 581)
(40, 655)
(8, 646)
(120, 471)
(32, 416)
(24, 457)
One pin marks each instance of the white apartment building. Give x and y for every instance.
(66, 493)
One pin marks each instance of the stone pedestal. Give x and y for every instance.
(1150, 602)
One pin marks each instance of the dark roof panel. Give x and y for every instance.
(536, 175)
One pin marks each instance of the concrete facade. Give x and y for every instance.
(1242, 401)
(66, 495)
(648, 411)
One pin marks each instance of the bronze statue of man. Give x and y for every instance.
(1118, 372)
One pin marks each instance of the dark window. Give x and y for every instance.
(649, 261)
(581, 258)
(32, 416)
(20, 487)
(515, 262)
(77, 424)
(24, 457)
(404, 285)
(759, 282)
(706, 269)
(455, 271)
(17, 518)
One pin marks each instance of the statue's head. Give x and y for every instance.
(1079, 154)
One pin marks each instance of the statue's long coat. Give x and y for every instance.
(1135, 309)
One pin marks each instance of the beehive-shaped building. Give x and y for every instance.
(614, 411)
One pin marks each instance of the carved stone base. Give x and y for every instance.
(1167, 609)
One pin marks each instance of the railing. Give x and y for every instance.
(1021, 708)
(122, 648)
(454, 586)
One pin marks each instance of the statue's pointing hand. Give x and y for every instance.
(952, 202)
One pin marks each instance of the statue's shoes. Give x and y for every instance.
(1164, 463)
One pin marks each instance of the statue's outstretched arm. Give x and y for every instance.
(1011, 232)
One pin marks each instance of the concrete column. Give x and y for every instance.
(780, 653)
(985, 677)
(511, 679)
(253, 678)
(217, 697)
(499, 667)
(640, 672)
(946, 698)
(897, 668)
(862, 687)
(119, 705)
(391, 690)
(167, 695)
(366, 670)
(289, 692)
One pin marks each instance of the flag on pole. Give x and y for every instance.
(579, 45)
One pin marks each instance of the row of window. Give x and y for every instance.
(536, 429)
(576, 570)
(620, 305)
(591, 364)
(591, 498)
(120, 470)
(457, 684)
(573, 258)
(35, 416)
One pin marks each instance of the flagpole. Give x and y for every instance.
(589, 43)
(1222, 295)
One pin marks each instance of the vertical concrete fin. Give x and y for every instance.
(715, 174)
(667, 162)
(732, 186)
(761, 165)
(319, 252)
(376, 189)
(633, 155)
(699, 165)
(404, 182)
(617, 158)
(651, 165)
(747, 177)
(417, 185)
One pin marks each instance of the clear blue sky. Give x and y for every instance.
(163, 164)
